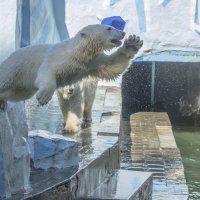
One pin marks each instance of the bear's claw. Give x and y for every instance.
(43, 98)
(71, 128)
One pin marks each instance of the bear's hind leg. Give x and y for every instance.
(89, 96)
(72, 109)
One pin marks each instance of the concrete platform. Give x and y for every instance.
(98, 175)
(148, 144)
(125, 185)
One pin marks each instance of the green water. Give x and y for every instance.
(188, 141)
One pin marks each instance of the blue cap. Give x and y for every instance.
(115, 21)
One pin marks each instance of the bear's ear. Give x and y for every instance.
(83, 34)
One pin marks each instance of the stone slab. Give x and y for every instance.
(166, 137)
(125, 185)
(109, 124)
(113, 97)
(69, 184)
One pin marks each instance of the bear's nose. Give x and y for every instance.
(71, 90)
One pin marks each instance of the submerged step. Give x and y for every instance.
(125, 185)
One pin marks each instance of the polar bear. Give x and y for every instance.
(77, 107)
(41, 69)
(76, 103)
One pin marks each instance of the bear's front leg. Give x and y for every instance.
(132, 45)
(46, 89)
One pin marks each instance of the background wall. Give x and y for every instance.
(177, 90)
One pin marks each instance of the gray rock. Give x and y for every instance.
(52, 150)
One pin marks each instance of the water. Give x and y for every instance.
(188, 141)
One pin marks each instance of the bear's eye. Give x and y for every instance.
(109, 28)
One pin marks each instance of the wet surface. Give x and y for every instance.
(97, 154)
(124, 184)
(188, 140)
(49, 118)
(147, 144)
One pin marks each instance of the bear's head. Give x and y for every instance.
(103, 36)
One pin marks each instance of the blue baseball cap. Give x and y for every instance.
(115, 21)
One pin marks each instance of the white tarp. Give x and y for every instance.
(164, 25)
(25, 22)
(8, 11)
(42, 23)
(169, 26)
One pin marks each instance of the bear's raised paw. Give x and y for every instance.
(132, 44)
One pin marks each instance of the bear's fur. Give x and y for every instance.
(76, 103)
(41, 69)
(77, 107)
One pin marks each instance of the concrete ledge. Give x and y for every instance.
(84, 181)
(152, 147)
(125, 185)
(98, 155)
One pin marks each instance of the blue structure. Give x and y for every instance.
(115, 21)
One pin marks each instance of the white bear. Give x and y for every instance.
(41, 69)
(76, 103)
(77, 107)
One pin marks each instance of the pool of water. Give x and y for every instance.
(188, 141)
